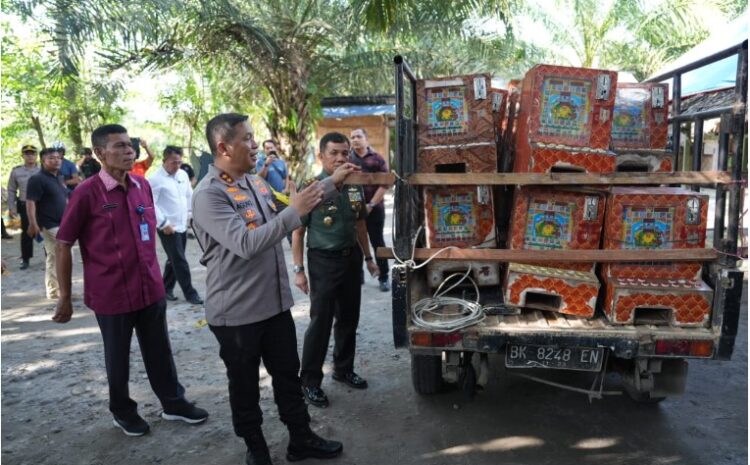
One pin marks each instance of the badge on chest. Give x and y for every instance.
(355, 197)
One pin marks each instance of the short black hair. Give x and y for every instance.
(360, 129)
(99, 136)
(335, 137)
(267, 141)
(85, 151)
(47, 151)
(222, 127)
(170, 149)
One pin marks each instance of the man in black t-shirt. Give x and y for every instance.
(88, 166)
(46, 198)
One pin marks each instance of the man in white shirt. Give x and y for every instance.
(172, 201)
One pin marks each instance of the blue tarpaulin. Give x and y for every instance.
(718, 75)
(358, 110)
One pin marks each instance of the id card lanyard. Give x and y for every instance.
(140, 210)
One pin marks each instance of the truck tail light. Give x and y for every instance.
(427, 339)
(684, 347)
(702, 348)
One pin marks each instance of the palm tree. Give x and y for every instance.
(74, 25)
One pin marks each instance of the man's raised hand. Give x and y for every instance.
(309, 198)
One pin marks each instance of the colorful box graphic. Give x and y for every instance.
(468, 158)
(483, 273)
(654, 218)
(644, 160)
(461, 216)
(552, 219)
(640, 116)
(541, 288)
(564, 108)
(455, 110)
(673, 302)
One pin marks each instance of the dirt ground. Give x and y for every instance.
(54, 400)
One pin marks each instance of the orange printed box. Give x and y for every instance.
(685, 303)
(460, 216)
(644, 161)
(548, 158)
(653, 218)
(553, 219)
(455, 110)
(640, 116)
(541, 288)
(469, 158)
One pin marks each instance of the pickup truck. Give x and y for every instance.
(651, 359)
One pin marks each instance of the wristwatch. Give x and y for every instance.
(298, 268)
(368, 259)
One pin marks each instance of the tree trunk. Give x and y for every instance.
(39, 131)
(73, 123)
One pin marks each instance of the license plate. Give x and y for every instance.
(561, 358)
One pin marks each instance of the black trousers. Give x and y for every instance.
(150, 324)
(27, 243)
(242, 347)
(335, 293)
(375, 224)
(177, 268)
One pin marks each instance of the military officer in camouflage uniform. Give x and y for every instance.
(247, 289)
(336, 243)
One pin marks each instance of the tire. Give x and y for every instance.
(427, 374)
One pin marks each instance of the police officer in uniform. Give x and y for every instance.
(247, 289)
(337, 241)
(17, 181)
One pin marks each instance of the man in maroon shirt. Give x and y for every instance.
(111, 215)
(370, 161)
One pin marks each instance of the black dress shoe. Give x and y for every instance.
(195, 300)
(310, 445)
(351, 379)
(257, 450)
(171, 297)
(315, 396)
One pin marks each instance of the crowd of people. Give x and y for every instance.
(105, 205)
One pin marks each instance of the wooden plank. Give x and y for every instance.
(570, 256)
(574, 179)
(371, 178)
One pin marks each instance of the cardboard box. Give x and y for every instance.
(554, 219)
(469, 158)
(455, 110)
(548, 158)
(563, 291)
(645, 160)
(666, 302)
(640, 116)
(483, 273)
(460, 216)
(651, 218)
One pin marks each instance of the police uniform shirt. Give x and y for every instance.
(17, 181)
(240, 232)
(331, 225)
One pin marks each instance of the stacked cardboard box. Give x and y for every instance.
(639, 128)
(651, 219)
(563, 124)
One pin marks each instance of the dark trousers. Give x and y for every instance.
(375, 224)
(335, 292)
(150, 324)
(27, 243)
(177, 269)
(242, 347)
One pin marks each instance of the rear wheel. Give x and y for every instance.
(427, 373)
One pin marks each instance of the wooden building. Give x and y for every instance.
(375, 114)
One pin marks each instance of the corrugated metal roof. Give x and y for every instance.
(718, 75)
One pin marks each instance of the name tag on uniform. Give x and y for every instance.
(144, 232)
